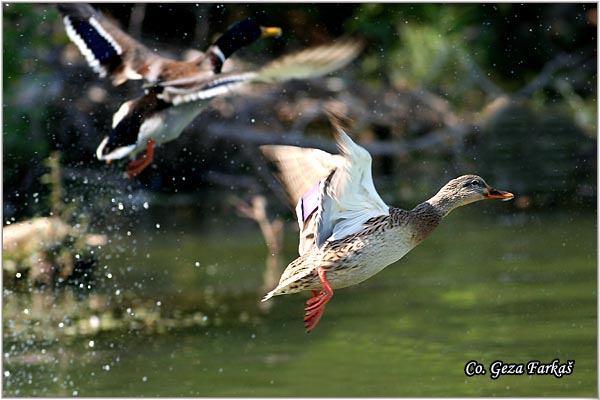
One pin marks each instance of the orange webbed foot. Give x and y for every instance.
(316, 305)
(137, 166)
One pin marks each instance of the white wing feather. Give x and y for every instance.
(350, 199)
(298, 170)
(346, 196)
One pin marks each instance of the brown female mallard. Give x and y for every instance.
(347, 232)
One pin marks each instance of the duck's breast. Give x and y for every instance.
(361, 256)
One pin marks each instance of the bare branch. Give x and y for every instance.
(272, 231)
(257, 211)
(479, 76)
(563, 60)
(378, 148)
(229, 180)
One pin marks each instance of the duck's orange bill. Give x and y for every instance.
(499, 194)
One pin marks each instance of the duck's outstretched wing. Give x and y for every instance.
(108, 50)
(334, 195)
(189, 90)
(310, 63)
(301, 171)
(348, 195)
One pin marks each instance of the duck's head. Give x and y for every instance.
(243, 33)
(464, 190)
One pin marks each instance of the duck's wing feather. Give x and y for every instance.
(312, 62)
(348, 196)
(302, 171)
(334, 195)
(309, 63)
(108, 50)
(188, 90)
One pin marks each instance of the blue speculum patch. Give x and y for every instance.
(310, 201)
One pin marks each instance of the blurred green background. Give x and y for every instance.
(515, 81)
(168, 304)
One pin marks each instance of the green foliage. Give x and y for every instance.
(33, 33)
(411, 43)
(435, 45)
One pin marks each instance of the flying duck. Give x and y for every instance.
(177, 91)
(347, 232)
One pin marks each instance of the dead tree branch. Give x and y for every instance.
(478, 76)
(548, 72)
(455, 127)
(272, 231)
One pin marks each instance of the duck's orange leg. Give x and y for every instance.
(316, 305)
(137, 166)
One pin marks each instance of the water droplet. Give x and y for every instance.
(91, 343)
(197, 263)
(7, 373)
(157, 226)
(144, 378)
(146, 205)
(94, 323)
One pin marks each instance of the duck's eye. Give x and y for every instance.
(475, 183)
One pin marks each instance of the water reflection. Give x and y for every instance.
(193, 327)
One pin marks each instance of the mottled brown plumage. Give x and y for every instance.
(356, 247)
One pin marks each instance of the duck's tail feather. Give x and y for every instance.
(268, 295)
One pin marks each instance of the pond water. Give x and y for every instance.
(509, 287)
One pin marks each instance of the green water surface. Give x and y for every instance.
(513, 288)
